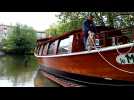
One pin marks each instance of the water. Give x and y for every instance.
(21, 71)
(17, 71)
(41, 81)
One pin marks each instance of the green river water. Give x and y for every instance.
(21, 71)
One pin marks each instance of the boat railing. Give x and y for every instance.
(105, 36)
(42, 43)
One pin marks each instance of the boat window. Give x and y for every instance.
(45, 49)
(52, 47)
(65, 45)
(56, 45)
(40, 52)
(37, 49)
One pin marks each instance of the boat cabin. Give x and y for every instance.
(72, 41)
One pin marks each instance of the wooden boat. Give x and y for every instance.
(64, 58)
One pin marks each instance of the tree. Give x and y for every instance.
(21, 39)
(72, 20)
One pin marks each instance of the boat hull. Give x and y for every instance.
(92, 64)
(66, 79)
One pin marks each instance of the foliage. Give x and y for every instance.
(72, 20)
(21, 39)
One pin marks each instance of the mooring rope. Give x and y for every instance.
(130, 72)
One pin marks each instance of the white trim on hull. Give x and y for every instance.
(88, 52)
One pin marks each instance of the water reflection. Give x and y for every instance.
(17, 71)
(41, 81)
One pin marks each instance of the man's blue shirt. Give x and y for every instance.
(88, 26)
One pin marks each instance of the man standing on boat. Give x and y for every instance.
(89, 29)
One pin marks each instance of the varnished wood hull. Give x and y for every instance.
(91, 64)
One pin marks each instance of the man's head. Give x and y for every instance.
(90, 17)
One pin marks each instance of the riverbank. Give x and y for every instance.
(4, 51)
